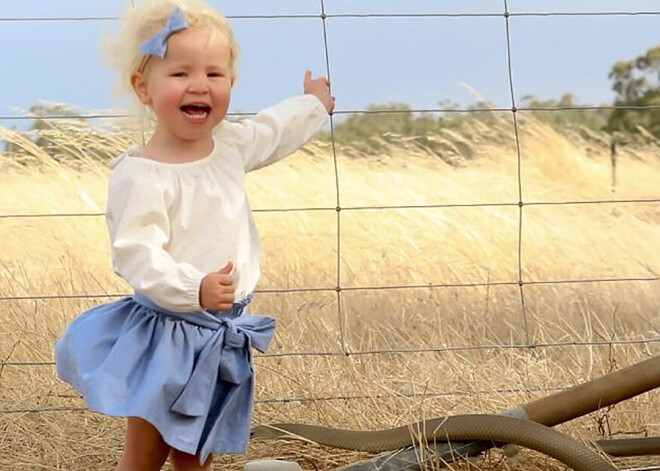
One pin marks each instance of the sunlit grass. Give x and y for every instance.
(448, 244)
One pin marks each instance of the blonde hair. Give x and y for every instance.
(146, 18)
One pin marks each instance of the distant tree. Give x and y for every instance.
(637, 83)
(378, 119)
(40, 126)
(64, 136)
(559, 118)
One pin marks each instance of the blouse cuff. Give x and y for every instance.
(317, 103)
(191, 287)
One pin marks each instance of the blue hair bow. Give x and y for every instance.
(157, 45)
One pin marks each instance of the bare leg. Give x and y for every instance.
(184, 462)
(144, 449)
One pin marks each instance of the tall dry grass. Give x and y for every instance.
(571, 323)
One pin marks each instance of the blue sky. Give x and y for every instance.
(420, 61)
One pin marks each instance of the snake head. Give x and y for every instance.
(267, 432)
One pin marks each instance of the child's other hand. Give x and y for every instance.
(319, 87)
(217, 289)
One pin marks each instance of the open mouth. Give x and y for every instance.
(196, 111)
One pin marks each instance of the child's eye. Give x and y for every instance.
(179, 74)
(216, 74)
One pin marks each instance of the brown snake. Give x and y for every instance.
(494, 428)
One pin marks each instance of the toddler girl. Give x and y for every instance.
(175, 357)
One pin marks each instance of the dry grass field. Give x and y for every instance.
(416, 352)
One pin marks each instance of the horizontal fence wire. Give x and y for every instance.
(359, 112)
(328, 289)
(348, 397)
(519, 283)
(376, 207)
(353, 15)
(344, 398)
(406, 351)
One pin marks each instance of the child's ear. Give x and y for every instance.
(139, 84)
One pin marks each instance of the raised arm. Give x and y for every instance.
(280, 130)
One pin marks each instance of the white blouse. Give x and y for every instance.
(173, 223)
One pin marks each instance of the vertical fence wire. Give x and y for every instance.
(516, 130)
(339, 289)
(340, 316)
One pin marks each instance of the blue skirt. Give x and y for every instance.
(188, 374)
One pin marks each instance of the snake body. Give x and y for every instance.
(494, 428)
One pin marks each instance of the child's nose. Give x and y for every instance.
(198, 83)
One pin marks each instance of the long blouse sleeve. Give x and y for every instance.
(139, 226)
(275, 132)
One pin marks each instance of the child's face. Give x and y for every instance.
(190, 89)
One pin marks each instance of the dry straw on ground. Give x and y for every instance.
(379, 248)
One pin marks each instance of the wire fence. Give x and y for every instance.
(520, 283)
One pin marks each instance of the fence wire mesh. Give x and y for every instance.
(520, 283)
